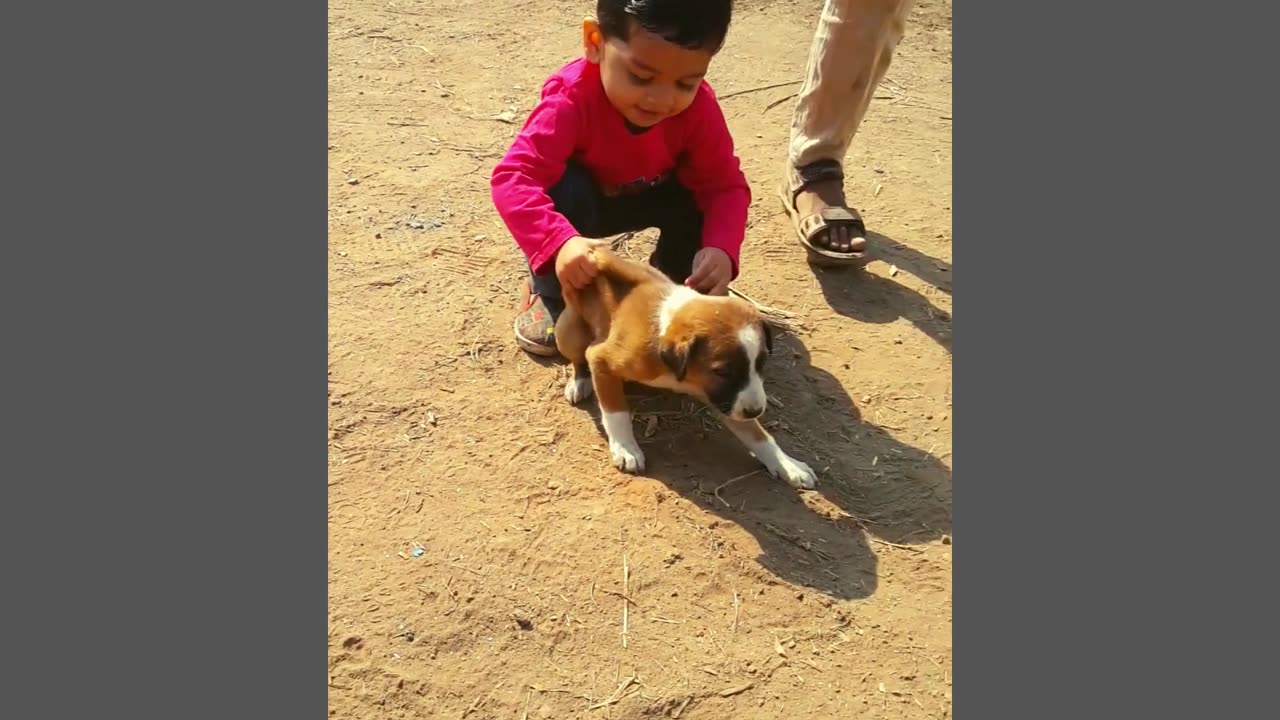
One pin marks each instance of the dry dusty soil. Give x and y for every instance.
(485, 558)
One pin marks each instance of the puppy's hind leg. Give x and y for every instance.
(572, 338)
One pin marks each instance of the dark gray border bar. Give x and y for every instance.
(163, 276)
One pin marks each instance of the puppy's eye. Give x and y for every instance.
(722, 370)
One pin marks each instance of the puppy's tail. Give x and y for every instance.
(615, 276)
(631, 272)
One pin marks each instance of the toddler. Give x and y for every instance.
(626, 138)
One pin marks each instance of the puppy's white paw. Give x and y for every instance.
(577, 389)
(795, 473)
(627, 457)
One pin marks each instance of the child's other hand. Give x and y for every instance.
(574, 264)
(712, 271)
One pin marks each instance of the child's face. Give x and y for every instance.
(646, 78)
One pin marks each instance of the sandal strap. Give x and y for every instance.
(829, 218)
(815, 172)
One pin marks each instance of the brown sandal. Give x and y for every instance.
(809, 226)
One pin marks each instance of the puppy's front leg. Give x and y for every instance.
(765, 448)
(616, 417)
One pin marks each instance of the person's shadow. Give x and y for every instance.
(873, 489)
(874, 299)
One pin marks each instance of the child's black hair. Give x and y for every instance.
(692, 24)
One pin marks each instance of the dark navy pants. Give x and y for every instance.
(669, 207)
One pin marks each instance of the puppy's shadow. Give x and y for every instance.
(874, 299)
(873, 489)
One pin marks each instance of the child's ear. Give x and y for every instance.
(592, 40)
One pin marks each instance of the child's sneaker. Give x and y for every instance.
(535, 326)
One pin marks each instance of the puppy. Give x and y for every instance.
(634, 324)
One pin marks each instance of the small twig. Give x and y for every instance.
(729, 482)
(781, 319)
(403, 507)
(737, 609)
(778, 102)
(896, 545)
(736, 93)
(797, 541)
(669, 621)
(736, 690)
(464, 567)
(616, 696)
(525, 716)
(626, 603)
(615, 593)
(479, 699)
(676, 715)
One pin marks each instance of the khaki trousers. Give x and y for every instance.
(850, 55)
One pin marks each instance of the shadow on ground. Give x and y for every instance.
(873, 488)
(870, 298)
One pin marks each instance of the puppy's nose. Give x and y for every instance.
(752, 413)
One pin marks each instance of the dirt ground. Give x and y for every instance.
(481, 543)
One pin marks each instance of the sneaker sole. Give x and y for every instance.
(531, 347)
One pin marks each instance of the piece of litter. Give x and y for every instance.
(353, 181)
(651, 427)
(417, 224)
(417, 552)
(893, 271)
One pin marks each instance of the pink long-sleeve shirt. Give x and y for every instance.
(575, 121)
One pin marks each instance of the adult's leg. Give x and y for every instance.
(851, 52)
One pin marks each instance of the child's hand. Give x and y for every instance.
(712, 271)
(574, 264)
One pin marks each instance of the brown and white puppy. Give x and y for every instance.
(634, 324)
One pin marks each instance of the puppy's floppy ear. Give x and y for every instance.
(768, 336)
(677, 354)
